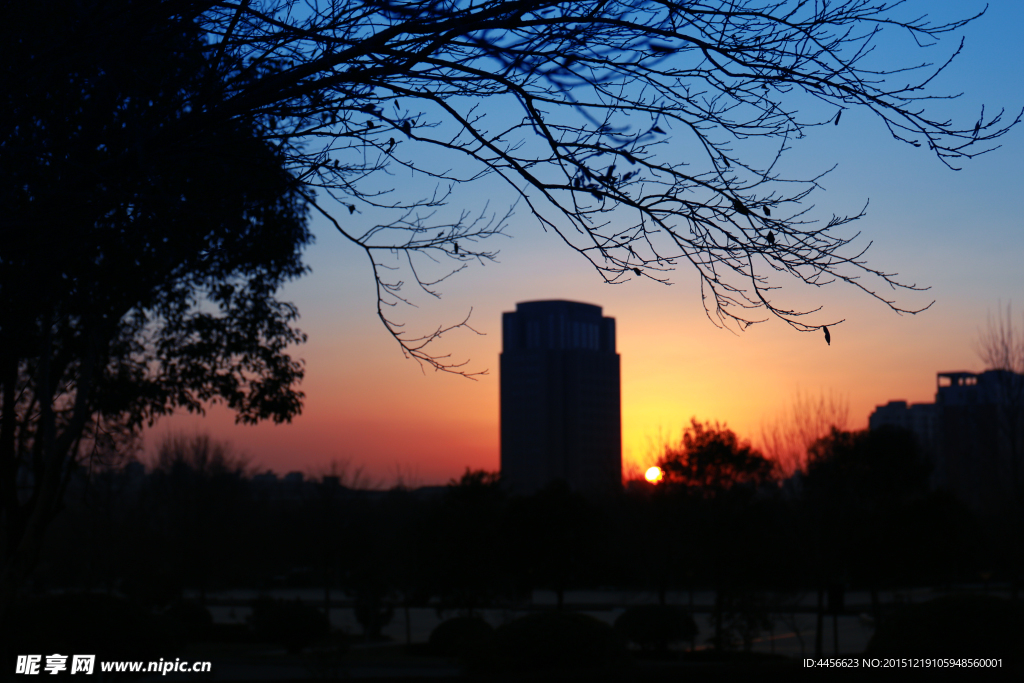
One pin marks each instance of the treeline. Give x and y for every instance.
(861, 517)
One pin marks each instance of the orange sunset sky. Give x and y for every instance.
(961, 233)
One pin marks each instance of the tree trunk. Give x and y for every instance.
(717, 618)
(24, 542)
(835, 633)
(327, 585)
(10, 513)
(819, 644)
(693, 639)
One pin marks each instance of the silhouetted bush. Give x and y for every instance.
(290, 623)
(739, 617)
(109, 627)
(655, 627)
(549, 640)
(327, 655)
(952, 626)
(372, 613)
(460, 636)
(195, 619)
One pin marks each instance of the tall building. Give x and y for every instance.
(561, 412)
(972, 435)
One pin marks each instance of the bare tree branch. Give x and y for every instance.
(634, 129)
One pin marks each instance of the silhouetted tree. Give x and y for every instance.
(1001, 347)
(857, 489)
(787, 439)
(390, 558)
(711, 465)
(404, 536)
(555, 537)
(569, 103)
(464, 557)
(141, 249)
(657, 534)
(868, 469)
(202, 484)
(290, 623)
(711, 458)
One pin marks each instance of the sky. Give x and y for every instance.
(371, 412)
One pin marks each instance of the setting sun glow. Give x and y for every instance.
(654, 475)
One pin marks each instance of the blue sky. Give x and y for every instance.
(961, 233)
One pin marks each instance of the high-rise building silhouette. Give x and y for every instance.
(560, 398)
(971, 435)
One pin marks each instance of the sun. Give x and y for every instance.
(654, 475)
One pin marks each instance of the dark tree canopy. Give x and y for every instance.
(875, 468)
(140, 253)
(711, 458)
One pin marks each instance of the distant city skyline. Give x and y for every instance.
(959, 232)
(967, 435)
